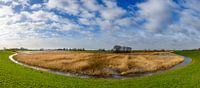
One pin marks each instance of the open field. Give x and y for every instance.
(17, 76)
(100, 64)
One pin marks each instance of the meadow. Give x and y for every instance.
(100, 64)
(17, 76)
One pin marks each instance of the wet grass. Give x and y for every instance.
(16, 76)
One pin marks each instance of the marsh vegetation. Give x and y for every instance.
(100, 64)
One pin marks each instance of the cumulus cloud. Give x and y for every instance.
(36, 6)
(111, 11)
(70, 6)
(5, 11)
(157, 14)
(91, 5)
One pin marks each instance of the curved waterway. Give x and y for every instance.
(186, 61)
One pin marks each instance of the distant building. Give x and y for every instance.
(118, 48)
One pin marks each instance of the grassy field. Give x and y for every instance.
(100, 64)
(16, 76)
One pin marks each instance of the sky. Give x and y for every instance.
(95, 24)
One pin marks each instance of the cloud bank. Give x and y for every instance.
(93, 24)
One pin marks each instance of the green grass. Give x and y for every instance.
(16, 76)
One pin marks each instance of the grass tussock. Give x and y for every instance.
(100, 64)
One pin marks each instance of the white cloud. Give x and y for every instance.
(41, 15)
(68, 6)
(5, 11)
(111, 11)
(188, 18)
(157, 13)
(5, 1)
(84, 21)
(36, 6)
(188, 21)
(86, 14)
(125, 21)
(192, 4)
(92, 5)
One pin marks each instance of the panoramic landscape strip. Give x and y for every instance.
(99, 43)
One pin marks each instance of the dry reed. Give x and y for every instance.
(100, 64)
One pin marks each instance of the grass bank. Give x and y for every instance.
(16, 76)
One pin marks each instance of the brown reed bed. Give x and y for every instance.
(100, 64)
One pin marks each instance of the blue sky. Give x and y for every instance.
(94, 24)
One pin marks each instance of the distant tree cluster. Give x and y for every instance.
(15, 49)
(42, 49)
(196, 49)
(101, 50)
(119, 49)
(71, 49)
(161, 50)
